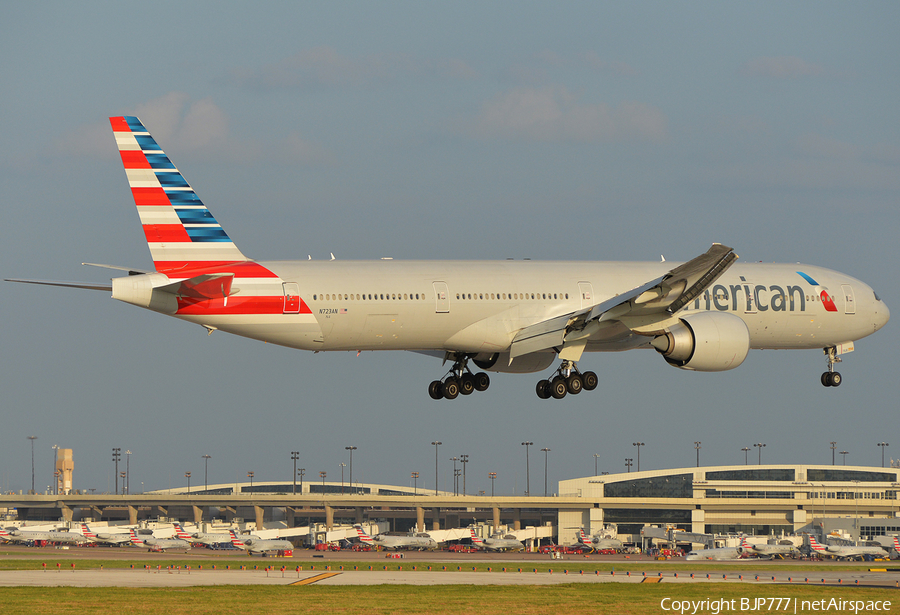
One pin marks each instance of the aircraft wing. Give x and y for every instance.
(656, 300)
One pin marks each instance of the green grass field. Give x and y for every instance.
(570, 599)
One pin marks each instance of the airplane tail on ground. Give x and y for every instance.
(180, 231)
(815, 546)
(180, 533)
(87, 532)
(896, 544)
(134, 538)
(4, 535)
(240, 544)
(363, 537)
(476, 539)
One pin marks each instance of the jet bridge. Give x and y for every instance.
(671, 535)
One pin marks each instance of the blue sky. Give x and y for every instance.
(577, 131)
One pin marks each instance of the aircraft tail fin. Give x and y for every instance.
(814, 544)
(896, 544)
(180, 533)
(363, 537)
(87, 532)
(180, 231)
(4, 535)
(237, 541)
(135, 539)
(476, 539)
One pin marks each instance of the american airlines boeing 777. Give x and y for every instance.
(502, 316)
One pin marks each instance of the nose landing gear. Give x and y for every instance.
(831, 378)
(567, 380)
(459, 380)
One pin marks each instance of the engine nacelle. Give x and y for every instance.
(705, 342)
(526, 364)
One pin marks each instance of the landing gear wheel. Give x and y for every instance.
(482, 381)
(826, 379)
(835, 379)
(589, 380)
(467, 384)
(558, 387)
(543, 389)
(435, 390)
(451, 388)
(574, 384)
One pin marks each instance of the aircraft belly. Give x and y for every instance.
(299, 331)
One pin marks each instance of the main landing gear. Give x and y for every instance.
(567, 380)
(459, 380)
(831, 378)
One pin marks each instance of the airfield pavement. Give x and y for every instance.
(446, 569)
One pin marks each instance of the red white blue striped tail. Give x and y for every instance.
(181, 232)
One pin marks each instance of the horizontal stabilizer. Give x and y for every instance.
(85, 285)
(130, 270)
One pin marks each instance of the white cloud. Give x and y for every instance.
(554, 114)
(199, 127)
(325, 67)
(780, 67)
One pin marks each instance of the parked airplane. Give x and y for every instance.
(158, 544)
(201, 537)
(27, 536)
(844, 551)
(252, 544)
(598, 541)
(506, 316)
(386, 541)
(496, 542)
(115, 538)
(766, 550)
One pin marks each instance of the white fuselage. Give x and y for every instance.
(478, 307)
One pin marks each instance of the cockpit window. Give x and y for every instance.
(877, 298)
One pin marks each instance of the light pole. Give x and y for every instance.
(856, 503)
(882, 445)
(760, 446)
(127, 485)
(351, 449)
(301, 472)
(295, 455)
(546, 456)
(746, 450)
(527, 468)
(628, 464)
(845, 453)
(122, 474)
(415, 477)
(33, 438)
(323, 474)
(455, 474)
(833, 447)
(595, 463)
(493, 476)
(117, 454)
(697, 446)
(206, 459)
(343, 465)
(187, 475)
(250, 476)
(638, 445)
(464, 459)
(56, 471)
(436, 444)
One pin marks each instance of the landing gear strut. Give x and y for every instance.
(567, 380)
(459, 381)
(831, 378)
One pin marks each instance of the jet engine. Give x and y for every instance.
(705, 342)
(526, 364)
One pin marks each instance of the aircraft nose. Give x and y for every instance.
(882, 314)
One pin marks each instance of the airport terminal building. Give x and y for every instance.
(759, 500)
(755, 500)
